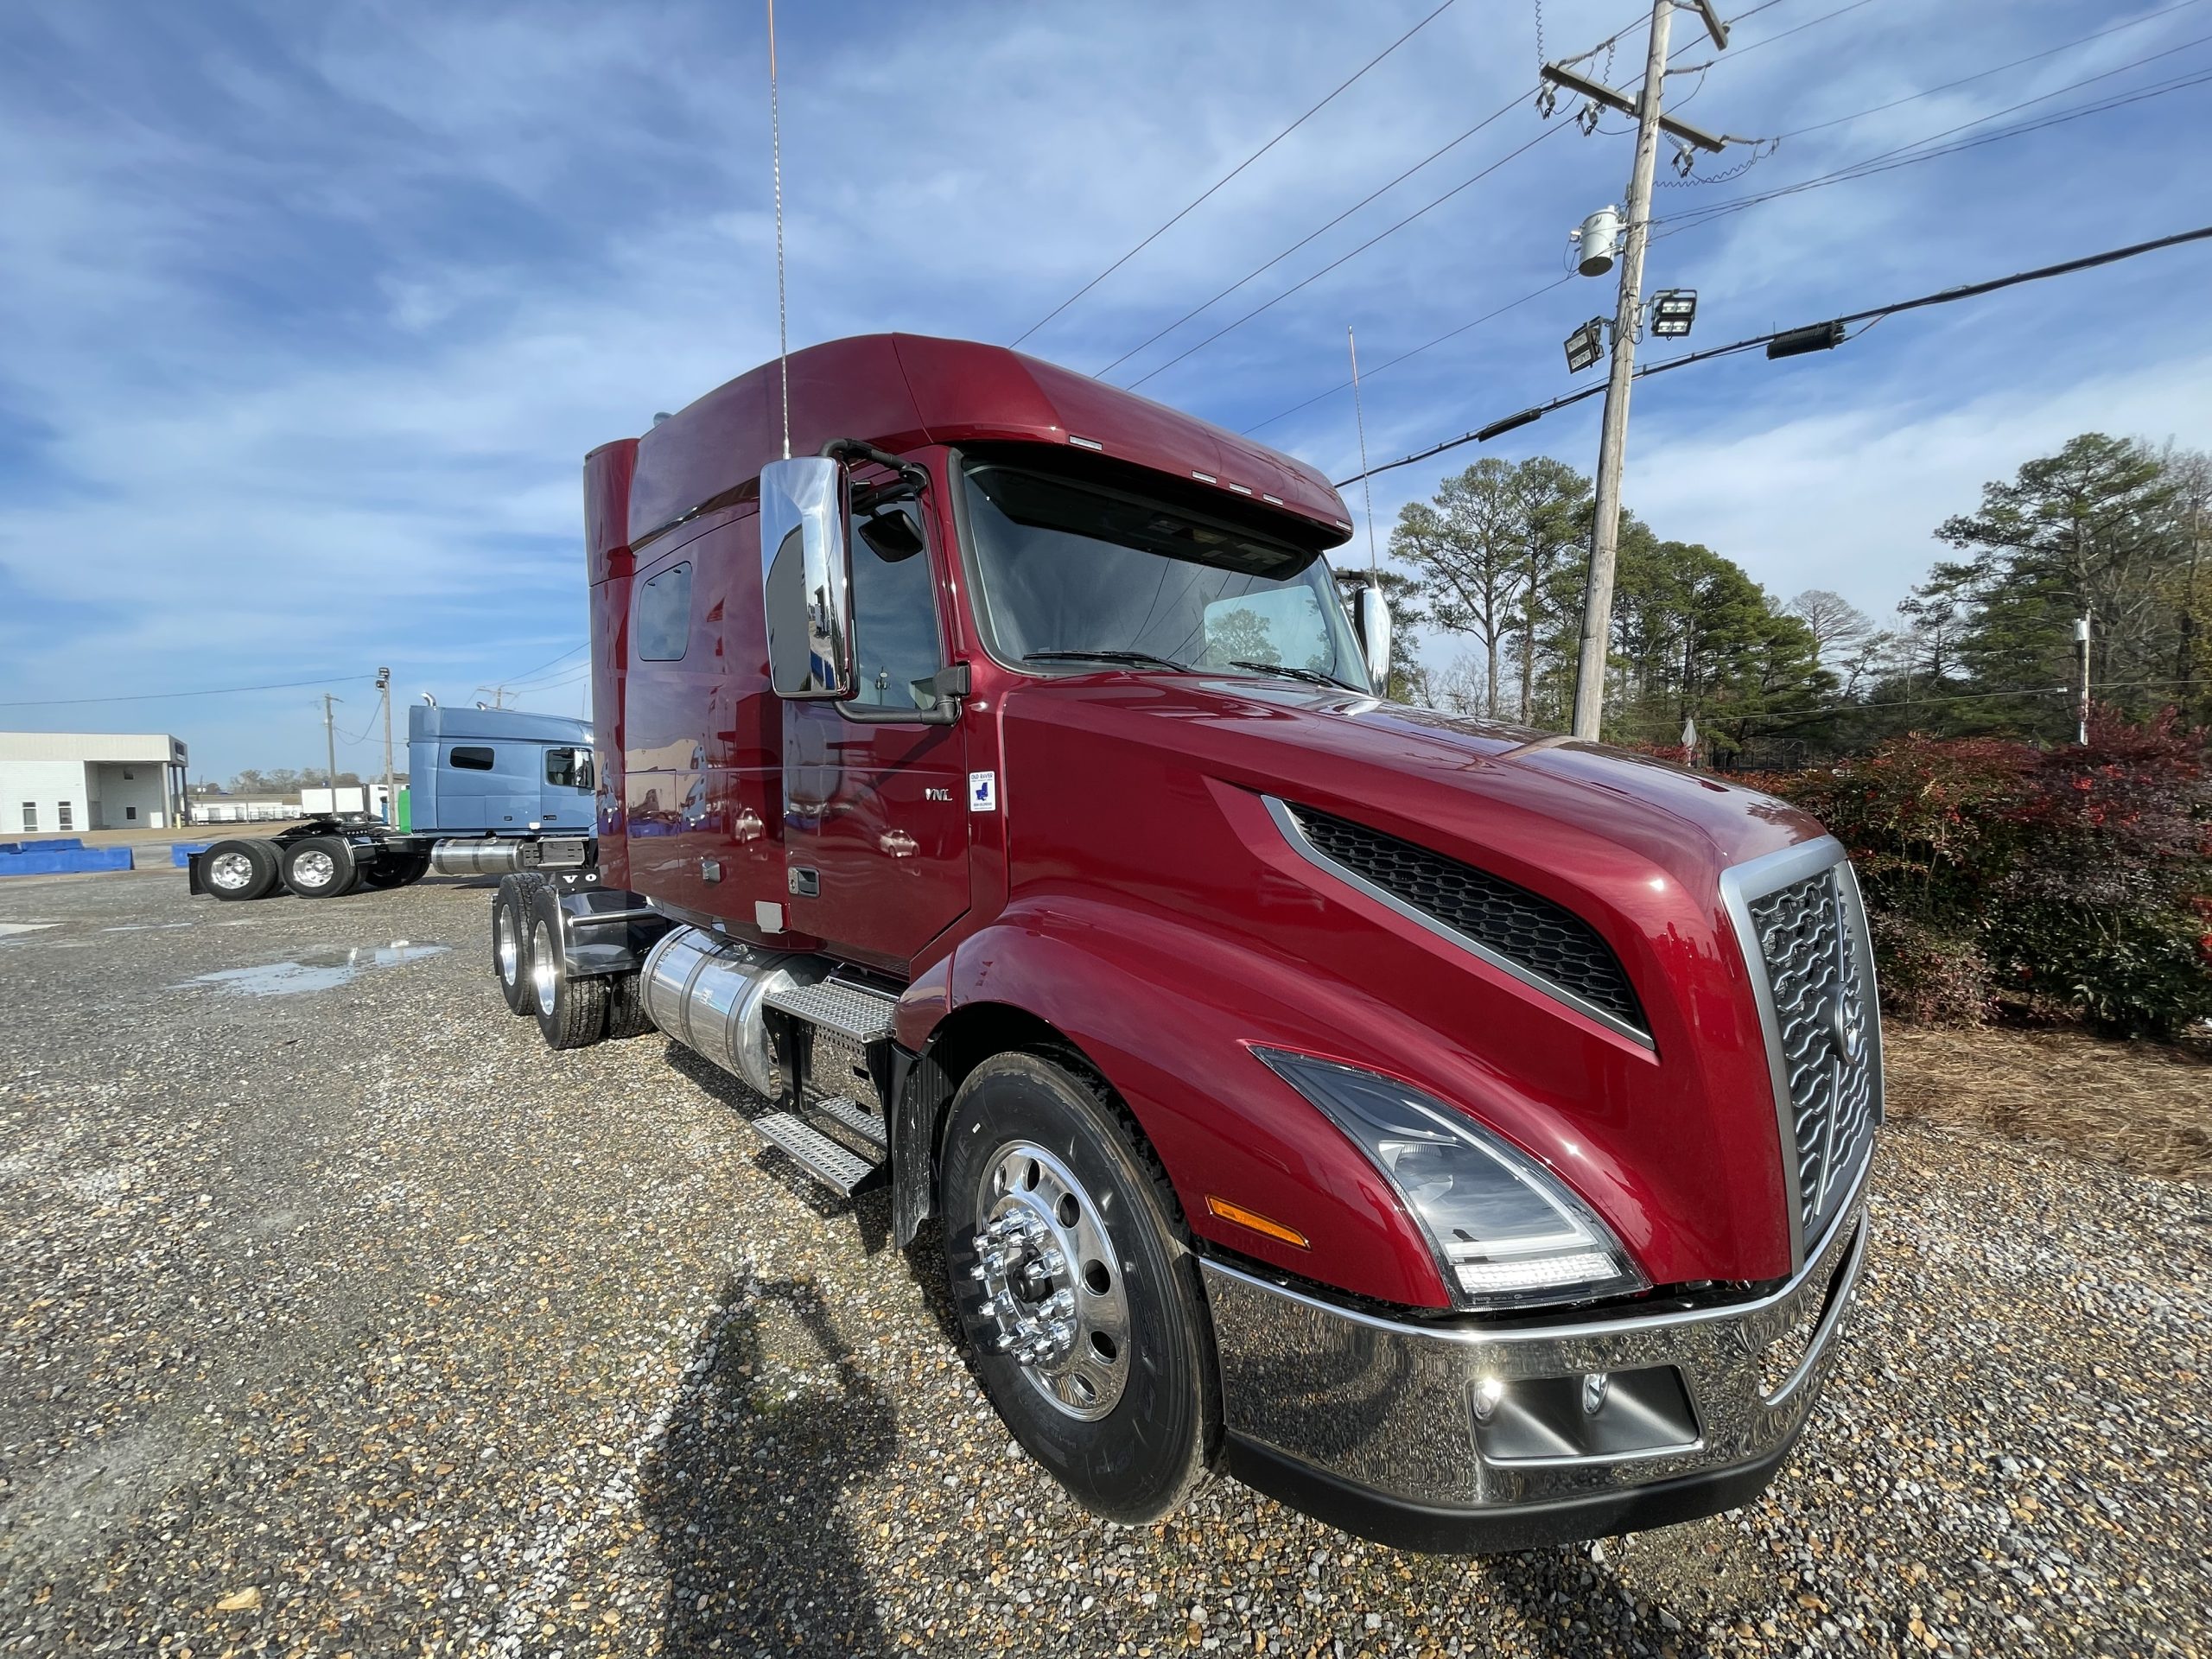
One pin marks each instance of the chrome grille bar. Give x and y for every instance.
(1803, 926)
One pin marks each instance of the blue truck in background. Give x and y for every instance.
(491, 792)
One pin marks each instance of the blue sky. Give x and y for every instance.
(315, 309)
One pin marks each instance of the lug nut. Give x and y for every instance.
(1048, 1264)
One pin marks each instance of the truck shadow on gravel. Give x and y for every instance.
(773, 1421)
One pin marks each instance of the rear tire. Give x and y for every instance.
(626, 1007)
(1122, 1404)
(511, 925)
(320, 867)
(571, 1009)
(235, 871)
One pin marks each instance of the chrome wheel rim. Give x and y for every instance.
(543, 977)
(314, 869)
(507, 943)
(1050, 1282)
(232, 872)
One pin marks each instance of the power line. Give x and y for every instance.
(1692, 218)
(1984, 74)
(518, 678)
(1872, 164)
(1695, 218)
(1560, 282)
(158, 696)
(1231, 174)
(1503, 109)
(1944, 297)
(1454, 333)
(1509, 156)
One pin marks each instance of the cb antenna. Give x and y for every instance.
(775, 154)
(1366, 484)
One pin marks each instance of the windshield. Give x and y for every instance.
(1087, 570)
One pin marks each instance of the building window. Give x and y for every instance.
(569, 768)
(471, 757)
(68, 811)
(130, 815)
(129, 775)
(30, 816)
(663, 627)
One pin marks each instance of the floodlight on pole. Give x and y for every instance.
(1672, 310)
(1586, 345)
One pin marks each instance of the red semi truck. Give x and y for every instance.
(1457, 1132)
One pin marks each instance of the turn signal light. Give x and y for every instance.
(1257, 1222)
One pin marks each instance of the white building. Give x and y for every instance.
(63, 782)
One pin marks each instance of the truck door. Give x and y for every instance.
(486, 787)
(566, 798)
(875, 814)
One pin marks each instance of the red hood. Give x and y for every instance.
(1675, 1142)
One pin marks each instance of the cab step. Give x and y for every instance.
(862, 1016)
(855, 1118)
(835, 1167)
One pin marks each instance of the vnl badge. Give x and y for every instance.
(982, 791)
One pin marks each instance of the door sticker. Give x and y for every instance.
(982, 791)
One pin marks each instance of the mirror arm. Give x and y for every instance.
(913, 475)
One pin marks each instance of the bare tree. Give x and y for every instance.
(1461, 689)
(1839, 627)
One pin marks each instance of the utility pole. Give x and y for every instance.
(330, 747)
(1604, 537)
(390, 793)
(2081, 651)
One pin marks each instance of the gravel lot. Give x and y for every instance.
(338, 1316)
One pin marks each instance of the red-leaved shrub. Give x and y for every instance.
(2076, 880)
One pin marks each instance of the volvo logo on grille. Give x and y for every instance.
(1848, 1034)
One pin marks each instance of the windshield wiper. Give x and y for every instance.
(1288, 671)
(1142, 658)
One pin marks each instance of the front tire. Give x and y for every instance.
(1077, 1289)
(237, 870)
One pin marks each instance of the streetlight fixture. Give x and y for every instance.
(1672, 310)
(1586, 345)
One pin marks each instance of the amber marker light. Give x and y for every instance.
(1257, 1222)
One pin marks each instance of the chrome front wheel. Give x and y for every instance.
(1052, 1282)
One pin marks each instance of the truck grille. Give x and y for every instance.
(1810, 937)
(1544, 943)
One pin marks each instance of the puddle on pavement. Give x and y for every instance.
(316, 971)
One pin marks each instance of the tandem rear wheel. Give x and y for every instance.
(1077, 1289)
(320, 867)
(572, 1010)
(237, 870)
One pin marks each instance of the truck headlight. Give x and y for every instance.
(1506, 1233)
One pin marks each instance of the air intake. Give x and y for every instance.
(1541, 943)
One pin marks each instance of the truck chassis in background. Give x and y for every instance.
(330, 855)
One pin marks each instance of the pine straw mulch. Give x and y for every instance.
(2143, 1106)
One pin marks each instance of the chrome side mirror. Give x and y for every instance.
(1374, 618)
(806, 577)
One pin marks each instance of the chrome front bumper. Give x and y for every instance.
(1459, 1437)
